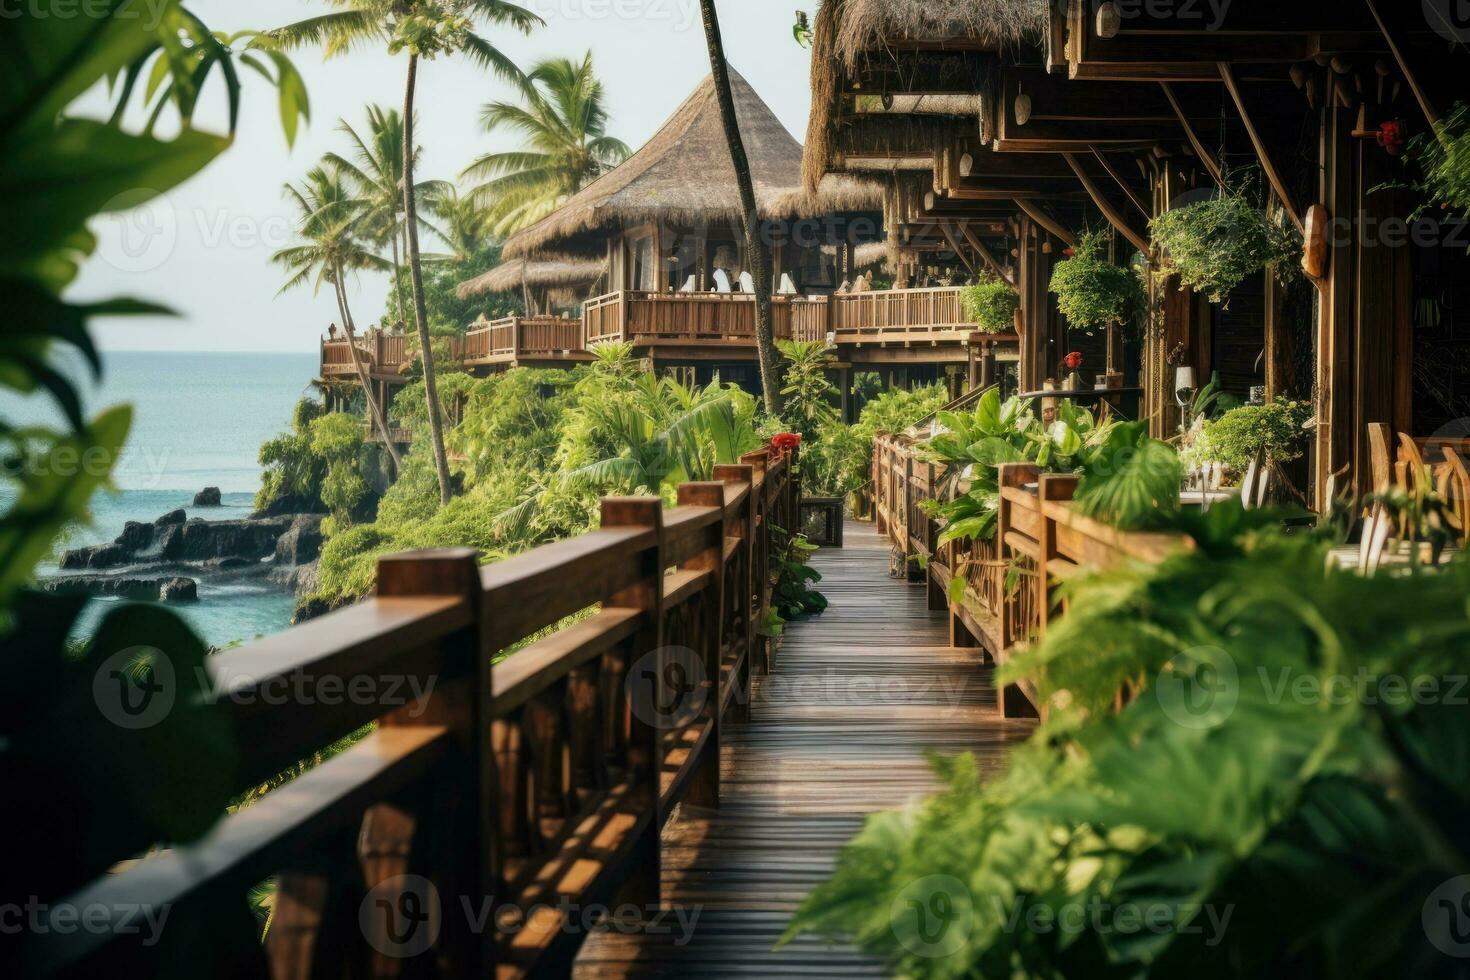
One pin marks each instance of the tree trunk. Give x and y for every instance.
(416, 277)
(375, 410)
(397, 279)
(758, 254)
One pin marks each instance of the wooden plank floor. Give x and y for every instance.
(838, 730)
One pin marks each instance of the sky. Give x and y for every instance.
(204, 249)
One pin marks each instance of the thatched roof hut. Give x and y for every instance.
(683, 176)
(849, 33)
(516, 274)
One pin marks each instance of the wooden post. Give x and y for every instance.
(645, 742)
(469, 860)
(1335, 436)
(743, 586)
(760, 565)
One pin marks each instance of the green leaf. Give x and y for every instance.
(54, 186)
(47, 62)
(56, 488)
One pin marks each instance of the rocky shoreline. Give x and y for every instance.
(165, 560)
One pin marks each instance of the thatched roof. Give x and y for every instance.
(511, 276)
(867, 24)
(683, 175)
(849, 33)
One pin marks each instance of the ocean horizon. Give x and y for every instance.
(199, 418)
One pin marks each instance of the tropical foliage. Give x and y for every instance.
(839, 460)
(1126, 478)
(1212, 246)
(373, 169)
(991, 304)
(1092, 292)
(1283, 790)
(535, 450)
(809, 396)
(330, 246)
(1443, 160)
(562, 120)
(423, 29)
(59, 170)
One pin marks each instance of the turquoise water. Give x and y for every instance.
(198, 420)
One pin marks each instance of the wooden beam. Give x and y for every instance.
(1113, 172)
(1200, 150)
(1263, 153)
(954, 243)
(986, 255)
(1106, 206)
(1396, 46)
(1036, 214)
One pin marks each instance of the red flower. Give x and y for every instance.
(1391, 136)
(786, 441)
(1074, 360)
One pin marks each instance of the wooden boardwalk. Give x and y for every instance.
(838, 730)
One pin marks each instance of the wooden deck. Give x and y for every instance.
(836, 731)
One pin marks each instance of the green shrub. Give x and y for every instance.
(1093, 292)
(1234, 438)
(322, 464)
(991, 304)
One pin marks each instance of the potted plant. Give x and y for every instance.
(1092, 292)
(992, 304)
(1213, 245)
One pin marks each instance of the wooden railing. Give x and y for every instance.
(1040, 541)
(515, 337)
(380, 353)
(898, 315)
(648, 318)
(454, 837)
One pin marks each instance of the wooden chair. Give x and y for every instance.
(1380, 455)
(1455, 488)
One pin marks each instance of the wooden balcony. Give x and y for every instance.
(383, 356)
(516, 341)
(698, 324)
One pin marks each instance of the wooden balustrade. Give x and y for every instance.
(1040, 541)
(517, 338)
(379, 353)
(513, 789)
(904, 315)
(898, 315)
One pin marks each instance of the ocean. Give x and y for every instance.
(198, 421)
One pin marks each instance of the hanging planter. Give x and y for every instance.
(1213, 246)
(992, 304)
(1091, 292)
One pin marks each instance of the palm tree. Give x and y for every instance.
(331, 247)
(375, 169)
(461, 224)
(758, 253)
(425, 29)
(564, 123)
